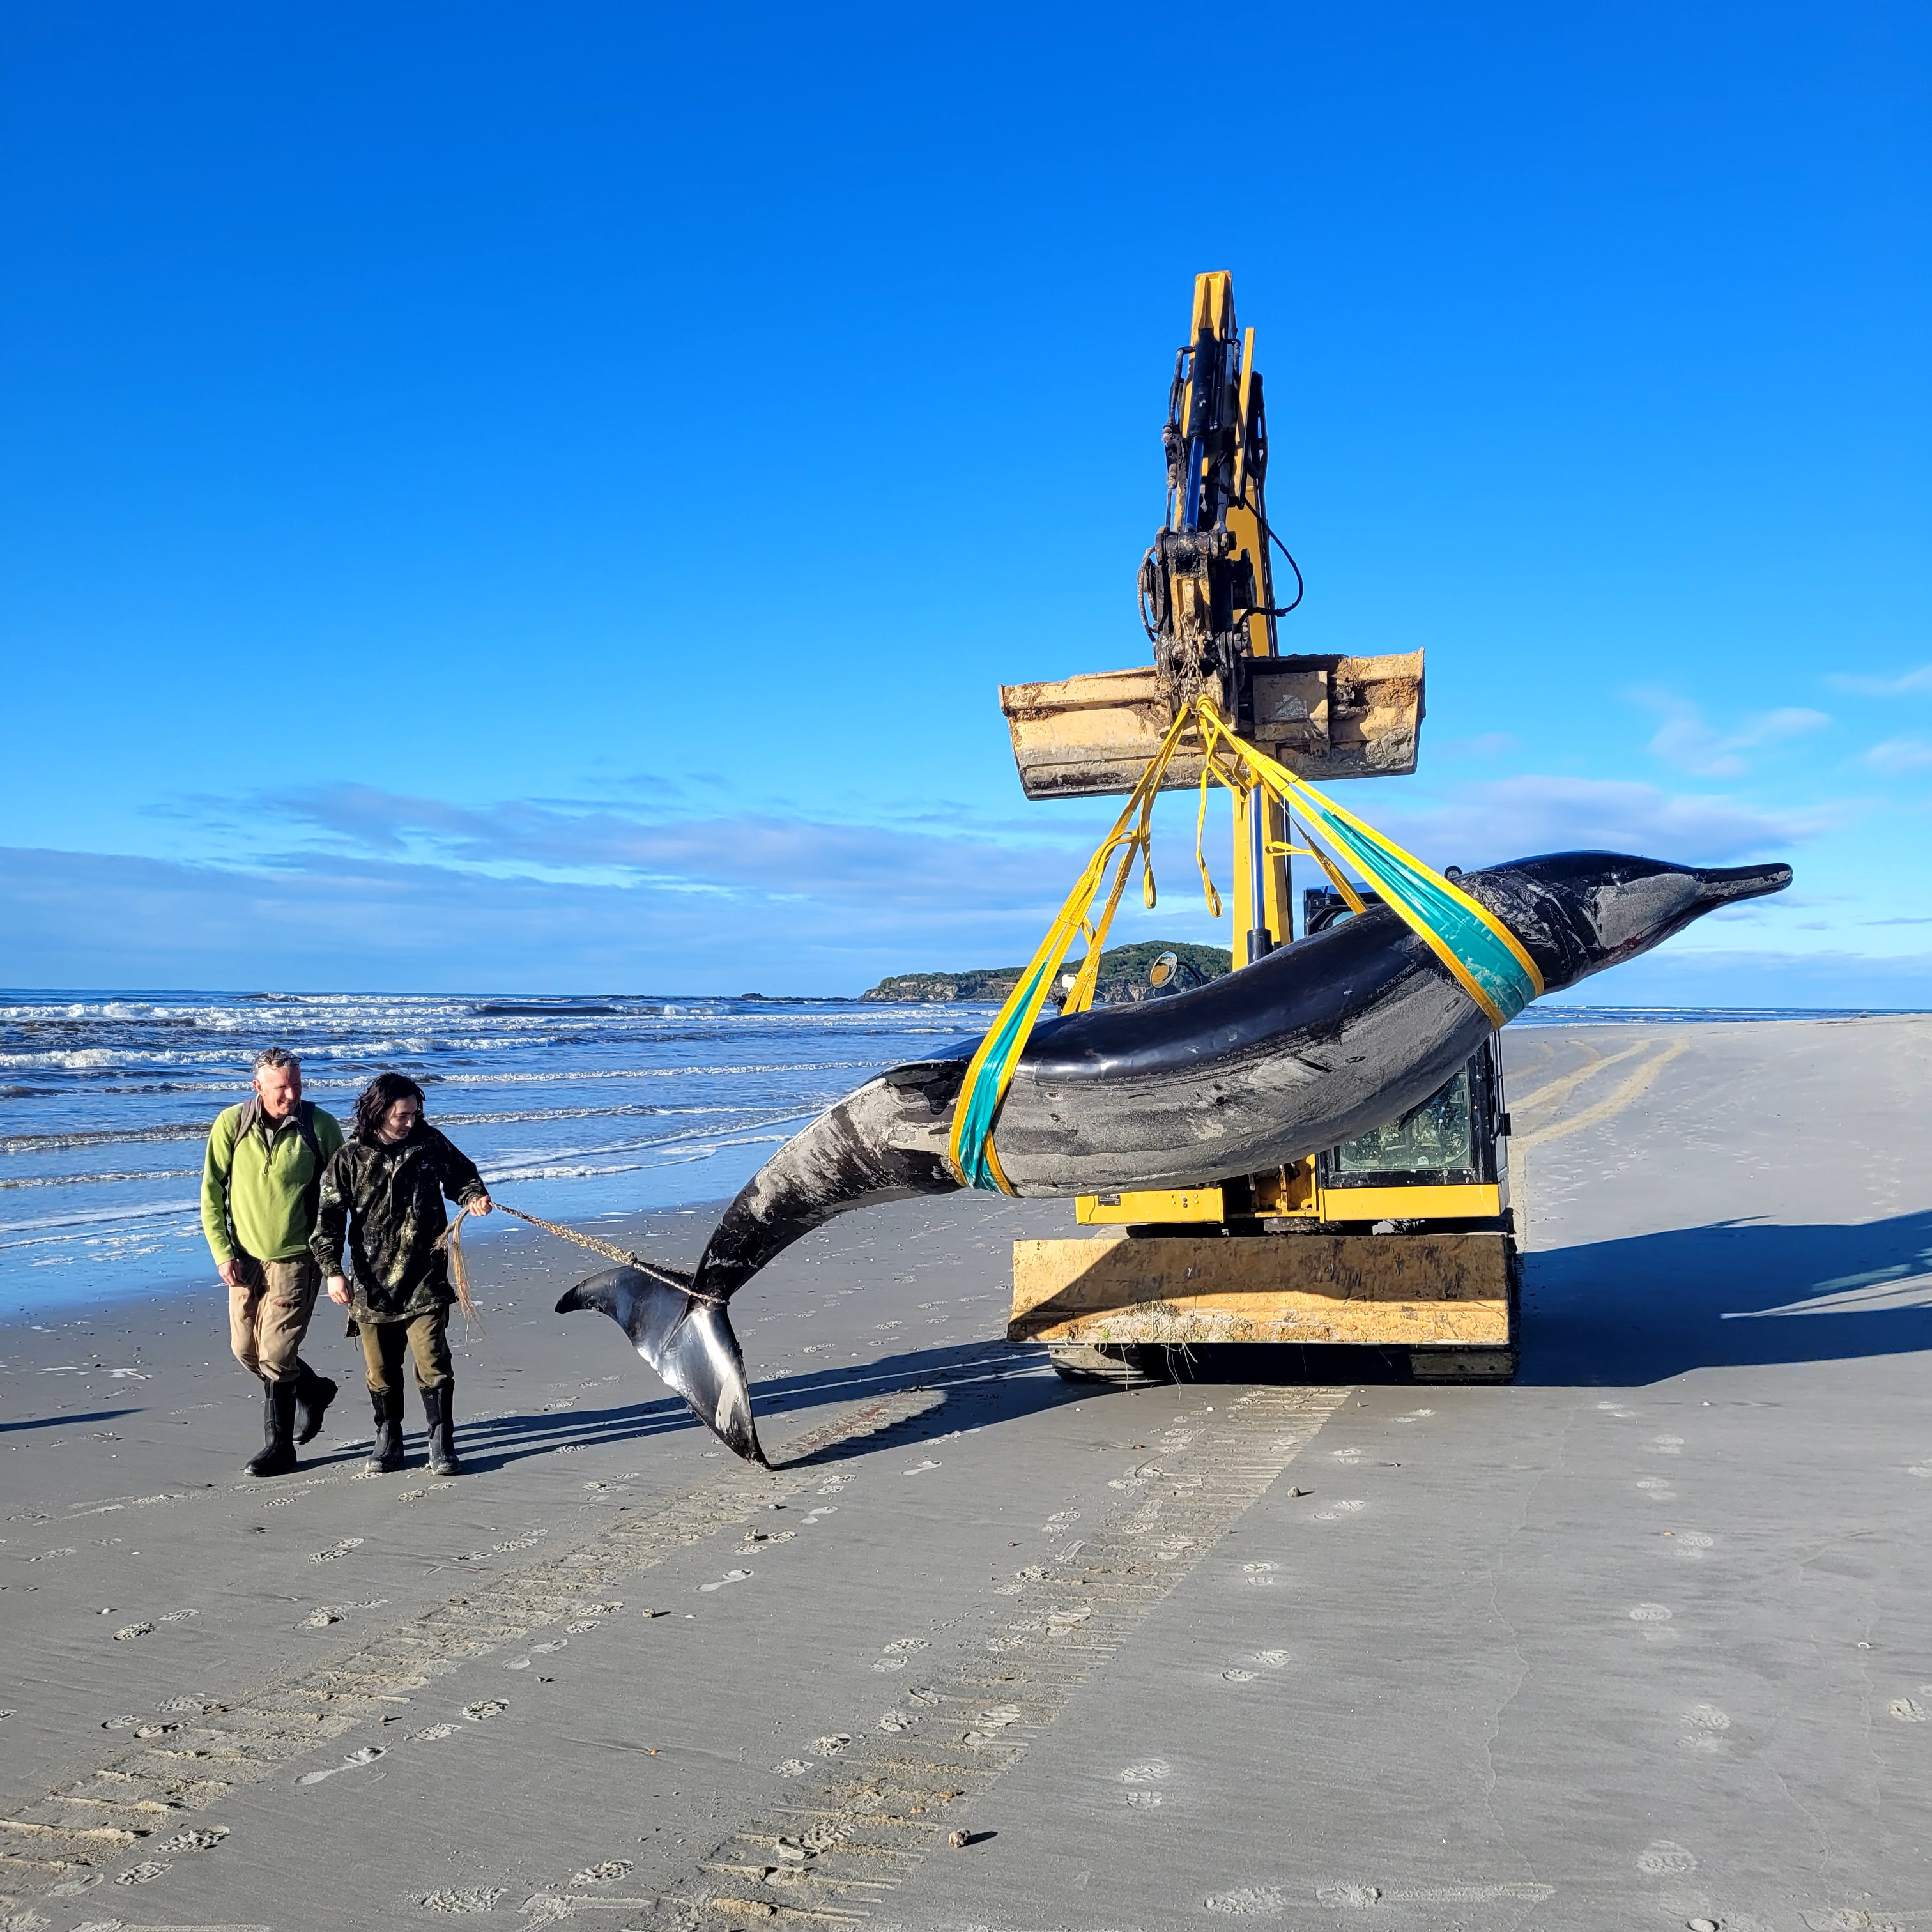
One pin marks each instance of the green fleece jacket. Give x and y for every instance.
(259, 1183)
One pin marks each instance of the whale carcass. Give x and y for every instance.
(1315, 1043)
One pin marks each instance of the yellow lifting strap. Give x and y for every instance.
(1483, 956)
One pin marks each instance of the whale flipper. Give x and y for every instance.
(688, 1341)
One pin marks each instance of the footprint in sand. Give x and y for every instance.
(1254, 1901)
(1335, 1512)
(194, 1841)
(354, 1761)
(1662, 1857)
(792, 1767)
(1706, 1725)
(143, 1874)
(918, 1469)
(1239, 1676)
(833, 1743)
(462, 1899)
(730, 1576)
(608, 1872)
(431, 1734)
(128, 1632)
(481, 1713)
(1260, 1574)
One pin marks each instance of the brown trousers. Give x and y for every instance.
(426, 1338)
(268, 1317)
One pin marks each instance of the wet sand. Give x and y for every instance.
(1641, 1640)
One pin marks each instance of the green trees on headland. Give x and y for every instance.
(1123, 976)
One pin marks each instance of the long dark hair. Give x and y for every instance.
(375, 1100)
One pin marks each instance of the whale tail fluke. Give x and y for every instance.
(687, 1339)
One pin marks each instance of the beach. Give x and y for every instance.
(1640, 1639)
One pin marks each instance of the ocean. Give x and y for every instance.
(574, 1107)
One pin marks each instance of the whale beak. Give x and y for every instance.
(1723, 885)
(688, 1341)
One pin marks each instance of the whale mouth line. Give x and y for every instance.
(1724, 885)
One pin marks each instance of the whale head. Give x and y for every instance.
(1578, 912)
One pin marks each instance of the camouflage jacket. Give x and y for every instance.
(387, 1201)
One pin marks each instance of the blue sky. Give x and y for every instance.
(541, 499)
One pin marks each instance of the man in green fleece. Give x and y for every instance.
(260, 1183)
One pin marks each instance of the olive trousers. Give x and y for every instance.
(424, 1337)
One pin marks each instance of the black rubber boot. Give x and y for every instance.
(385, 1453)
(313, 1393)
(277, 1456)
(442, 1430)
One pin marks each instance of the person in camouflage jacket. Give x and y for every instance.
(382, 1195)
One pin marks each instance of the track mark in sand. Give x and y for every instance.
(1639, 1084)
(240, 1737)
(890, 1795)
(1568, 1083)
(1515, 1893)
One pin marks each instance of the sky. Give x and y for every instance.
(542, 499)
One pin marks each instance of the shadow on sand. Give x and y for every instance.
(1607, 1314)
(992, 1381)
(1736, 1294)
(1622, 1313)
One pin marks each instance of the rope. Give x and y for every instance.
(451, 1237)
(1482, 955)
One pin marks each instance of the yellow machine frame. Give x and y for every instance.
(1261, 873)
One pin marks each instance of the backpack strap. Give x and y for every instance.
(305, 1127)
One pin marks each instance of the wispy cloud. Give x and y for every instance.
(1906, 684)
(1686, 740)
(1899, 755)
(1482, 823)
(764, 854)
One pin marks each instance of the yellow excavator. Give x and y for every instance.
(1402, 1239)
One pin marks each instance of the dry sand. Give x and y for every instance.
(1641, 1641)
